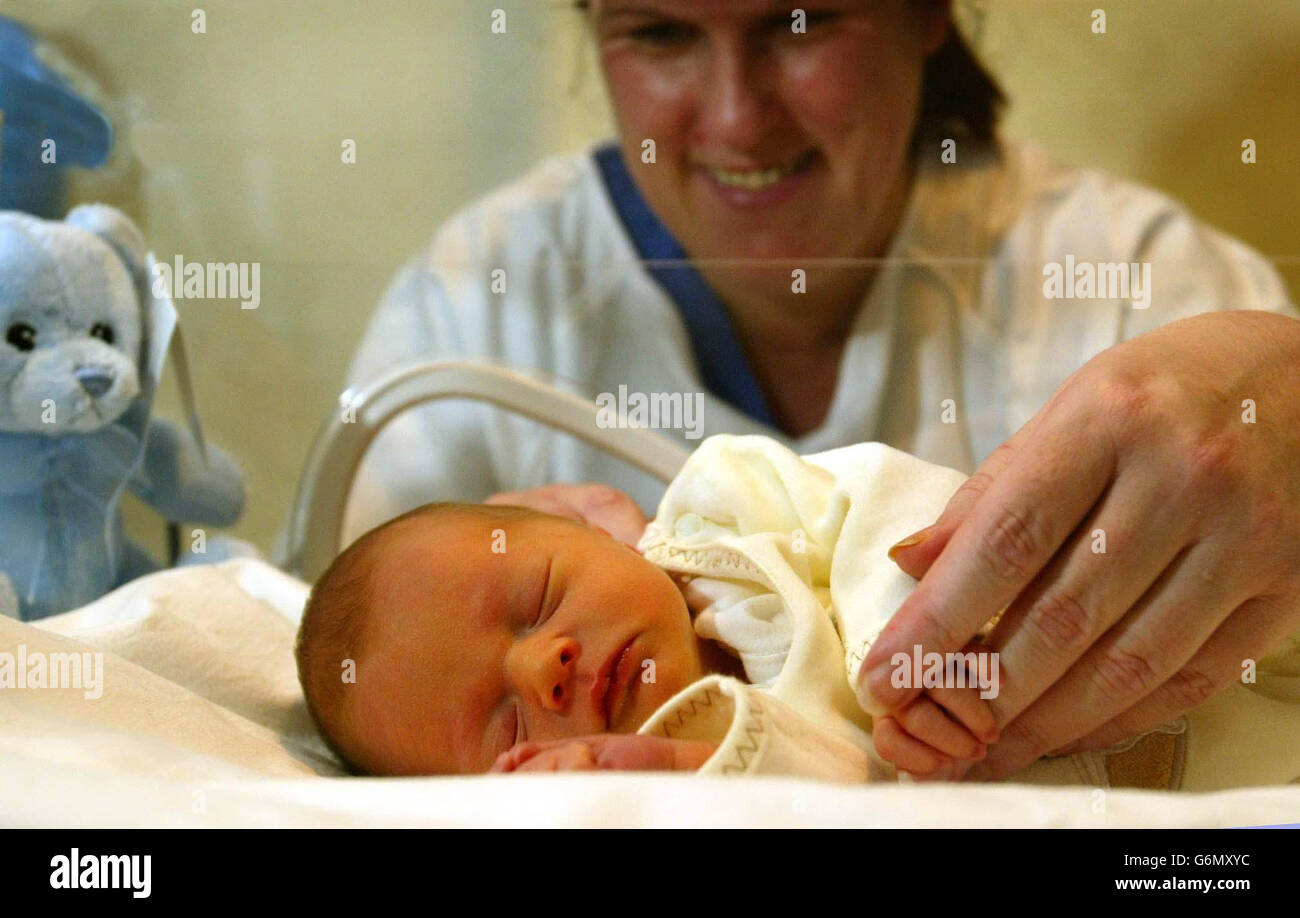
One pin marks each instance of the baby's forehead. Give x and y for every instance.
(450, 569)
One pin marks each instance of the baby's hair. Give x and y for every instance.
(334, 621)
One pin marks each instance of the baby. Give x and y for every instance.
(477, 628)
(465, 638)
(462, 637)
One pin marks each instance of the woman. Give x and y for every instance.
(868, 262)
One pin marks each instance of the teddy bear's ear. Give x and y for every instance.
(115, 228)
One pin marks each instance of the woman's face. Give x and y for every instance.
(769, 143)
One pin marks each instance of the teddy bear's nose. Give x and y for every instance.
(95, 380)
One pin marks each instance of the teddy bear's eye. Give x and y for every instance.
(102, 332)
(22, 336)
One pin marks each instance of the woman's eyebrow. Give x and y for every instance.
(631, 12)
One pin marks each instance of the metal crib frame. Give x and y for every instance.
(316, 520)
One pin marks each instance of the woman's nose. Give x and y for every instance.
(735, 105)
(549, 671)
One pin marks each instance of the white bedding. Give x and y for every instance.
(201, 723)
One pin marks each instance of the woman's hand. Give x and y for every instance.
(1142, 531)
(606, 751)
(597, 505)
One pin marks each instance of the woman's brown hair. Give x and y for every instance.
(959, 96)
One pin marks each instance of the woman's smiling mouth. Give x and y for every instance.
(759, 187)
(758, 179)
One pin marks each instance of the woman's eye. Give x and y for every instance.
(822, 17)
(811, 19)
(664, 34)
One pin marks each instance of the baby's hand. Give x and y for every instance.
(606, 751)
(927, 738)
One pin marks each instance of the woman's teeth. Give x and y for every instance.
(758, 179)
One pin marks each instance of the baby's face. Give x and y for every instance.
(486, 632)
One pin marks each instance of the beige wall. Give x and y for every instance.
(231, 151)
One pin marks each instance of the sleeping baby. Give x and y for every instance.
(463, 638)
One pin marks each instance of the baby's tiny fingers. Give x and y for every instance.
(515, 756)
(905, 752)
(965, 706)
(576, 756)
(926, 721)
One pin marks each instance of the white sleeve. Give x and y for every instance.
(758, 735)
(1195, 269)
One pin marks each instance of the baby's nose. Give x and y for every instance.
(95, 380)
(561, 678)
(557, 675)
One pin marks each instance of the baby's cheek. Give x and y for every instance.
(659, 679)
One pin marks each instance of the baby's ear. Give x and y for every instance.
(115, 228)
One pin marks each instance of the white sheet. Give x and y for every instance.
(201, 723)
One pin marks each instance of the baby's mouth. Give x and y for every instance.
(611, 680)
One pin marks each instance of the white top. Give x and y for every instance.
(957, 312)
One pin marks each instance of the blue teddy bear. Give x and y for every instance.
(76, 392)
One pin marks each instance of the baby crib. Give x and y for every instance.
(201, 721)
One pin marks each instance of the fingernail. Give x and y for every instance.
(915, 538)
(879, 675)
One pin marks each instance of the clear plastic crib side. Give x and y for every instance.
(316, 519)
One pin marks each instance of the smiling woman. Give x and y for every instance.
(807, 217)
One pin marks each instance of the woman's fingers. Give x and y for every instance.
(1225, 659)
(1015, 528)
(1115, 556)
(1157, 637)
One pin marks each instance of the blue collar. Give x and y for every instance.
(721, 360)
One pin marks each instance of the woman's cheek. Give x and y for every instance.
(837, 106)
(646, 96)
